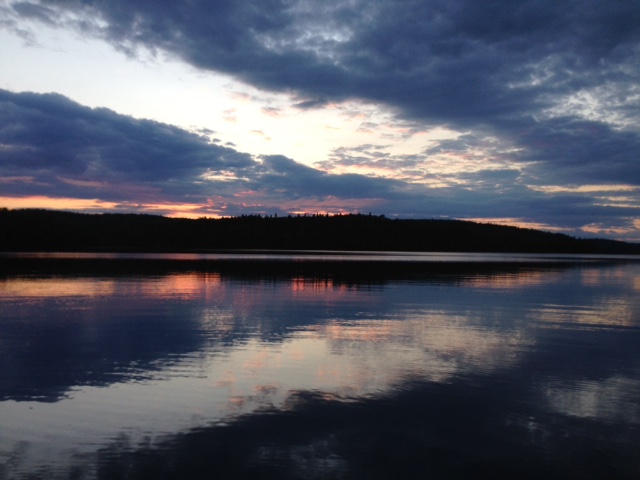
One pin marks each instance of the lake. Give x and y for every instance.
(319, 365)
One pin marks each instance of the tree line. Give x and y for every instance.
(49, 230)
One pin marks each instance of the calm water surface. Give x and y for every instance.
(461, 366)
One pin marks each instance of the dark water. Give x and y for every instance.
(370, 366)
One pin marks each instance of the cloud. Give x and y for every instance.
(509, 68)
(541, 94)
(284, 175)
(83, 151)
(568, 149)
(261, 134)
(456, 60)
(52, 146)
(274, 112)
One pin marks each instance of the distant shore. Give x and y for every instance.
(56, 231)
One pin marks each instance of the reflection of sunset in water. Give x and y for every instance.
(181, 285)
(166, 353)
(57, 287)
(610, 276)
(523, 279)
(302, 284)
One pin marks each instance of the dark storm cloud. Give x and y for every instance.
(283, 175)
(572, 150)
(494, 65)
(437, 59)
(55, 140)
(51, 131)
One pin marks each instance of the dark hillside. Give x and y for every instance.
(45, 230)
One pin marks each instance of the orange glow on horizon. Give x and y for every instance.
(328, 206)
(516, 222)
(95, 205)
(56, 203)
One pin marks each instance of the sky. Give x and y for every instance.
(523, 113)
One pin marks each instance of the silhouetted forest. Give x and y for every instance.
(47, 230)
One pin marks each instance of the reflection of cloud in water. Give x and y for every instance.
(611, 399)
(340, 360)
(613, 312)
(220, 348)
(363, 358)
(611, 276)
(429, 346)
(510, 281)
